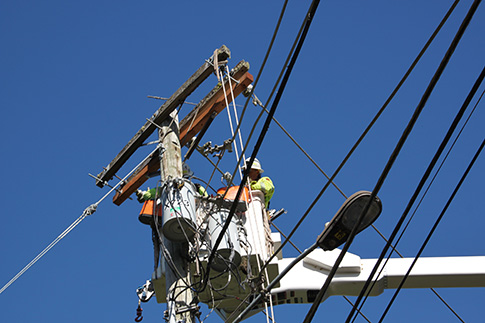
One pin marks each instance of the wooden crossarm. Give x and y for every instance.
(161, 114)
(190, 126)
(214, 102)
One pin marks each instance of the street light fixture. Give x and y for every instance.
(337, 231)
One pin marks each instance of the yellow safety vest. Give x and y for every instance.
(265, 185)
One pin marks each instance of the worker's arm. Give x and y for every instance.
(266, 186)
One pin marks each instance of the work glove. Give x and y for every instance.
(149, 194)
(139, 196)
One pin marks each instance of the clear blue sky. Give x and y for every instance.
(73, 87)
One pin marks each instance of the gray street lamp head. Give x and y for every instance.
(337, 231)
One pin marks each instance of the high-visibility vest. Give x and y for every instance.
(265, 185)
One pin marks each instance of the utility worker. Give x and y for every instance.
(257, 182)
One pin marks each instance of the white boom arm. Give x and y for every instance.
(304, 281)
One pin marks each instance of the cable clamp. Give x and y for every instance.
(90, 209)
(207, 148)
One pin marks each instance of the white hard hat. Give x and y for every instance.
(256, 165)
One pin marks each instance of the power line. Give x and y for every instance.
(265, 128)
(419, 108)
(255, 123)
(465, 104)
(299, 251)
(381, 179)
(367, 130)
(438, 220)
(308, 20)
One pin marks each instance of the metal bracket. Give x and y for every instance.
(145, 292)
(207, 148)
(189, 308)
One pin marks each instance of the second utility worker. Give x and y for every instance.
(256, 182)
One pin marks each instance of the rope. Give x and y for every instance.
(263, 64)
(284, 81)
(230, 118)
(275, 85)
(88, 211)
(260, 243)
(238, 126)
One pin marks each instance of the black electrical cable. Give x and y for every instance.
(367, 130)
(452, 128)
(465, 105)
(383, 176)
(264, 130)
(257, 299)
(418, 110)
(438, 220)
(255, 123)
(263, 64)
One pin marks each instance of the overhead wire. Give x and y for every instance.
(418, 110)
(255, 123)
(264, 130)
(433, 229)
(299, 251)
(369, 127)
(450, 131)
(393, 247)
(386, 171)
(408, 72)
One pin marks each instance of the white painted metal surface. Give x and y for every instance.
(432, 272)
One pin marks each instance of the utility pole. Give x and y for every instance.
(179, 295)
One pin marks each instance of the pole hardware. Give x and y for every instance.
(145, 292)
(190, 308)
(227, 177)
(207, 148)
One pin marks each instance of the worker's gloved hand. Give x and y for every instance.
(201, 190)
(139, 196)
